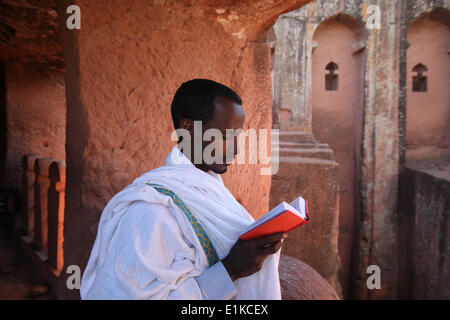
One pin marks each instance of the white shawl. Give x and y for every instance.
(218, 212)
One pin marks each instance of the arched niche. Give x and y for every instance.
(420, 80)
(332, 77)
(428, 83)
(337, 110)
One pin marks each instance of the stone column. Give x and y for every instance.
(28, 183)
(56, 194)
(292, 79)
(41, 169)
(378, 234)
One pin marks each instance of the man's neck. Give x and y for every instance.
(198, 166)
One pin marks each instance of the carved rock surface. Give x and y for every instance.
(301, 282)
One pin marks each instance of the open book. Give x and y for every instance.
(283, 218)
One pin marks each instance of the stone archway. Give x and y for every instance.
(427, 83)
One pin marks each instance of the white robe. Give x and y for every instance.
(147, 249)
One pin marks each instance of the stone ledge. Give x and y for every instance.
(438, 168)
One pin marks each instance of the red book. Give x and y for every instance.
(283, 218)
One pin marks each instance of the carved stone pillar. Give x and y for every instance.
(41, 169)
(28, 182)
(56, 194)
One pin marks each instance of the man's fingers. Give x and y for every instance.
(271, 248)
(267, 240)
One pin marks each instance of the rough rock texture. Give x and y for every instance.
(36, 117)
(17, 277)
(29, 32)
(123, 68)
(301, 282)
(416, 11)
(306, 41)
(316, 180)
(384, 125)
(425, 226)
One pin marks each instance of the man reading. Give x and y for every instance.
(174, 232)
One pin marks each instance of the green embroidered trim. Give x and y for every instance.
(206, 243)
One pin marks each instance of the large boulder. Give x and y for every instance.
(301, 282)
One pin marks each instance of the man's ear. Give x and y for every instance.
(187, 124)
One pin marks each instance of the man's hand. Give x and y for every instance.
(247, 256)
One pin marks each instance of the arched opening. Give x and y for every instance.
(337, 118)
(33, 122)
(428, 97)
(419, 81)
(331, 78)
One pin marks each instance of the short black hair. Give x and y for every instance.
(194, 100)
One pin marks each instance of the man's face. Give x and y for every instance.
(227, 115)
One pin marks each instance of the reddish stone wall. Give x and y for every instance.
(428, 113)
(384, 118)
(36, 116)
(424, 177)
(337, 119)
(425, 237)
(317, 242)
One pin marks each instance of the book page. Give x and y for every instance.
(300, 205)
